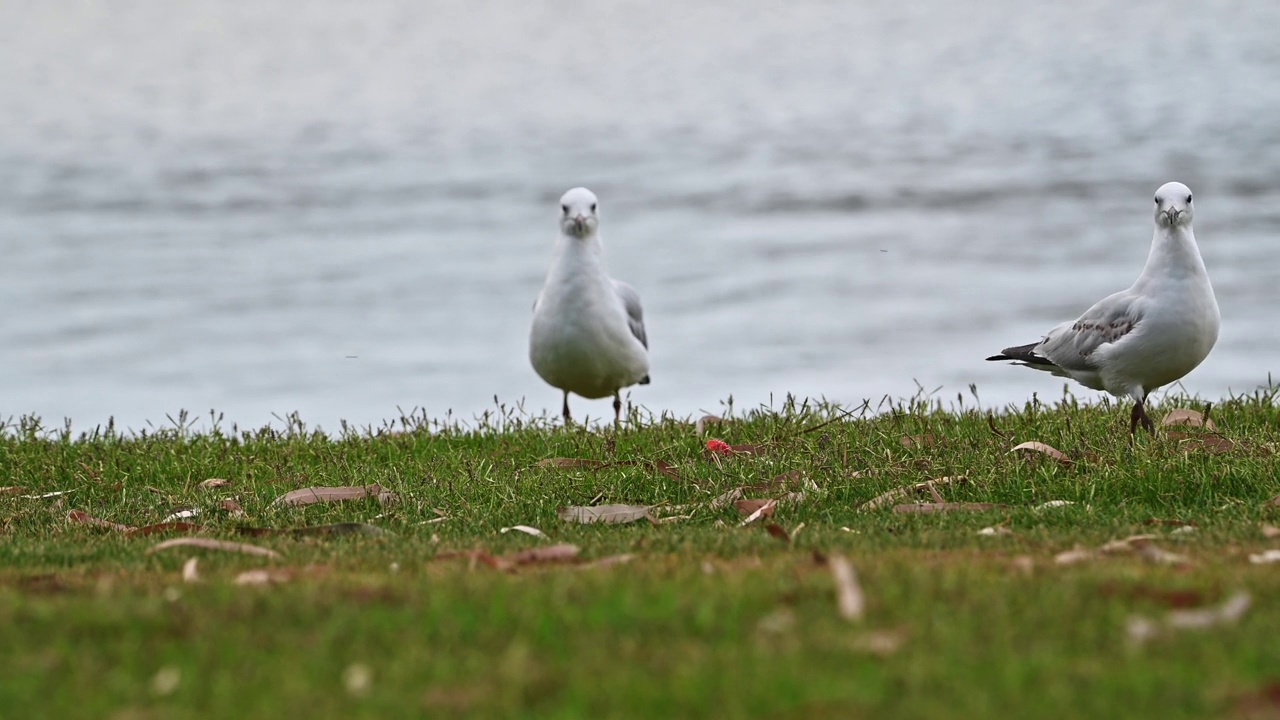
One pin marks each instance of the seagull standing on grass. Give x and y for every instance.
(588, 332)
(1150, 335)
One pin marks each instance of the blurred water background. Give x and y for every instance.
(342, 209)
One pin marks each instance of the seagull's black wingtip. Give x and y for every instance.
(644, 380)
(1023, 354)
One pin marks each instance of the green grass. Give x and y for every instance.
(709, 618)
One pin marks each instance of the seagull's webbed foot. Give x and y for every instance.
(567, 418)
(617, 409)
(1139, 415)
(1146, 421)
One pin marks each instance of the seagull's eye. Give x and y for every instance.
(1157, 200)
(1188, 198)
(565, 208)
(593, 205)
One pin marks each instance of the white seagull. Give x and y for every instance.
(588, 332)
(1150, 335)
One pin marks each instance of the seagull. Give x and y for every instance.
(1148, 336)
(588, 333)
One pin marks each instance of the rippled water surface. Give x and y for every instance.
(340, 208)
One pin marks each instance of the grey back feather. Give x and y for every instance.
(1071, 345)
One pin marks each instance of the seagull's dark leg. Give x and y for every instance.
(567, 419)
(1146, 421)
(1139, 415)
(617, 408)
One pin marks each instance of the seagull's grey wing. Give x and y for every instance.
(635, 315)
(1071, 345)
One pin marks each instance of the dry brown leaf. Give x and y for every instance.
(849, 597)
(1271, 532)
(779, 622)
(477, 556)
(190, 574)
(164, 527)
(775, 531)
(1185, 416)
(753, 505)
(791, 479)
(45, 496)
(1024, 564)
(1231, 610)
(880, 642)
(213, 483)
(918, 441)
(1044, 449)
(1073, 556)
(232, 507)
(895, 494)
(211, 544)
(1211, 443)
(1160, 556)
(1260, 703)
(1128, 544)
(1265, 557)
(563, 552)
(764, 510)
(706, 420)
(610, 560)
(1141, 629)
(526, 529)
(84, 518)
(12, 490)
(1217, 444)
(307, 496)
(263, 577)
(182, 514)
(727, 498)
(666, 468)
(1169, 521)
(550, 554)
(1275, 501)
(613, 514)
(947, 507)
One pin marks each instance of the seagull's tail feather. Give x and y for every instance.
(644, 380)
(1024, 354)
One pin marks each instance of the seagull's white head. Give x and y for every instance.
(1173, 205)
(579, 213)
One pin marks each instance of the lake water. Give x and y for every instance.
(343, 208)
